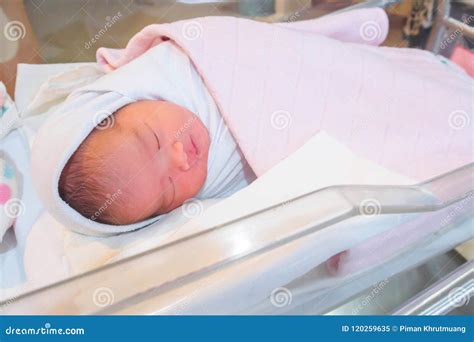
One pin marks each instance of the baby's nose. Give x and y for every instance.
(180, 158)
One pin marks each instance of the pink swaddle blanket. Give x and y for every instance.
(277, 85)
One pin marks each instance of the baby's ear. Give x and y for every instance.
(179, 157)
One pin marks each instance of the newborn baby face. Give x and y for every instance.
(156, 153)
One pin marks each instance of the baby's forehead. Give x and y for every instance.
(124, 163)
(114, 146)
(121, 122)
(141, 106)
(128, 117)
(145, 107)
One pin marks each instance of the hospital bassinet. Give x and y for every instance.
(221, 281)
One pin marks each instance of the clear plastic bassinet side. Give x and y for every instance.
(150, 274)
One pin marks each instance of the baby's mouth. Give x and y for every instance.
(195, 148)
(192, 152)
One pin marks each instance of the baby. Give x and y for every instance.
(155, 154)
(167, 146)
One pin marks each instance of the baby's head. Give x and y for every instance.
(149, 160)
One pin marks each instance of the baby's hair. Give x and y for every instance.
(84, 182)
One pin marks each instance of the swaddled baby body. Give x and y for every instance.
(156, 154)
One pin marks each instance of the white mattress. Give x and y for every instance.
(41, 251)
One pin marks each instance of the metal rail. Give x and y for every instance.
(451, 292)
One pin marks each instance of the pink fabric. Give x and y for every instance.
(5, 193)
(464, 58)
(277, 85)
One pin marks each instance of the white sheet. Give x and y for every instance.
(47, 252)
